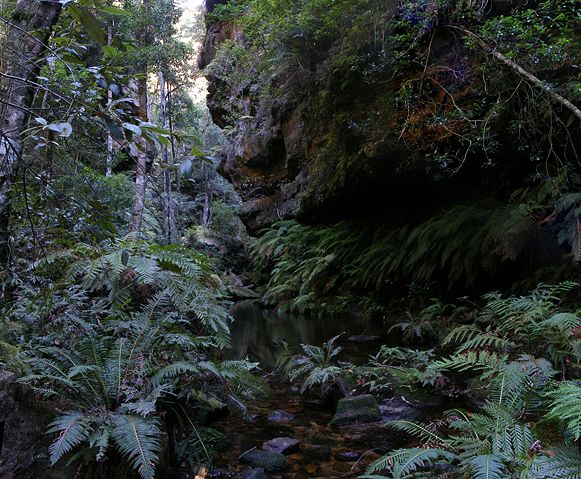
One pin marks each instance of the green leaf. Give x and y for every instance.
(89, 21)
(64, 129)
(114, 11)
(132, 128)
(73, 429)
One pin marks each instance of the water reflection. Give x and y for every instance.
(257, 332)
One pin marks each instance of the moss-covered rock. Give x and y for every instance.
(356, 409)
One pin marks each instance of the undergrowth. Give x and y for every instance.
(305, 265)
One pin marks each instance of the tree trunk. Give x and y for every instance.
(31, 26)
(205, 219)
(141, 160)
(109, 166)
(141, 165)
(170, 221)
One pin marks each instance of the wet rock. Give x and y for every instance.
(257, 473)
(311, 469)
(322, 440)
(282, 445)
(347, 456)
(269, 461)
(356, 409)
(209, 410)
(361, 338)
(251, 417)
(397, 408)
(280, 416)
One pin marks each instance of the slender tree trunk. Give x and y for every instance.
(170, 221)
(141, 160)
(141, 165)
(205, 219)
(31, 26)
(109, 167)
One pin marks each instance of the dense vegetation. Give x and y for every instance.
(107, 181)
(432, 150)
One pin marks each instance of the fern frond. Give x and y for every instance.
(74, 428)
(402, 462)
(139, 440)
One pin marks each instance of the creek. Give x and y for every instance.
(324, 451)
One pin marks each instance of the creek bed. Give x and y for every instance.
(324, 451)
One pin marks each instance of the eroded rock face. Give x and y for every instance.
(302, 150)
(23, 439)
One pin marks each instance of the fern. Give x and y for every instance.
(73, 428)
(487, 466)
(139, 440)
(401, 463)
(565, 407)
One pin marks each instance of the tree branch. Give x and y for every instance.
(521, 71)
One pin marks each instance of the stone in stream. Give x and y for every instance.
(356, 409)
(257, 473)
(220, 474)
(347, 456)
(280, 416)
(282, 445)
(269, 461)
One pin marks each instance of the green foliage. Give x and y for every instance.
(224, 220)
(396, 368)
(149, 324)
(566, 408)
(508, 436)
(462, 244)
(316, 367)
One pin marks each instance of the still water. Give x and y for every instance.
(257, 332)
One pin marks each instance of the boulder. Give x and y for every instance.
(356, 409)
(282, 445)
(257, 473)
(269, 461)
(280, 416)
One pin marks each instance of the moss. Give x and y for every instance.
(356, 409)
